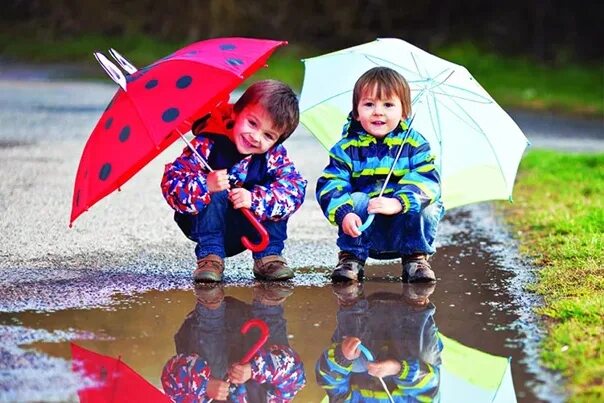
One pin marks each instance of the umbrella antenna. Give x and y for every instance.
(194, 151)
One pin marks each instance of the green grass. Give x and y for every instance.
(559, 216)
(513, 82)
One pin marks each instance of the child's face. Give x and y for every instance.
(379, 116)
(254, 131)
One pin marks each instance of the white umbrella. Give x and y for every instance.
(477, 144)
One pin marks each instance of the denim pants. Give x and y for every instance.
(218, 229)
(392, 236)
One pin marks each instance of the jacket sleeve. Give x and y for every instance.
(185, 375)
(285, 194)
(418, 379)
(184, 184)
(281, 368)
(421, 185)
(334, 186)
(333, 373)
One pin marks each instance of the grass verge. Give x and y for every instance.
(513, 82)
(559, 217)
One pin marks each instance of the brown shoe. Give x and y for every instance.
(348, 293)
(272, 294)
(418, 294)
(209, 269)
(272, 268)
(349, 268)
(209, 295)
(416, 269)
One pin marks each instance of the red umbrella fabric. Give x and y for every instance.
(114, 380)
(159, 101)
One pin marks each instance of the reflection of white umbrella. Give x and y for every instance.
(477, 145)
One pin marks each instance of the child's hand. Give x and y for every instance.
(350, 347)
(240, 373)
(241, 198)
(351, 224)
(217, 389)
(384, 368)
(218, 181)
(384, 205)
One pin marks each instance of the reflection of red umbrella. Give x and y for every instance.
(114, 380)
(157, 103)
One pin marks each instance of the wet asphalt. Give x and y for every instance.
(119, 280)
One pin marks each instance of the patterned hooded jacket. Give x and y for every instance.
(278, 194)
(360, 162)
(277, 376)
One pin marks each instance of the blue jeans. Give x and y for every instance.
(218, 229)
(392, 236)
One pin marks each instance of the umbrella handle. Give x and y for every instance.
(367, 222)
(259, 247)
(264, 334)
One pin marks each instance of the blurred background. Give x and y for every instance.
(538, 54)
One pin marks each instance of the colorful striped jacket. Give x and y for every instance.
(416, 382)
(184, 184)
(360, 162)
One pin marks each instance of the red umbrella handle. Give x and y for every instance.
(264, 333)
(259, 247)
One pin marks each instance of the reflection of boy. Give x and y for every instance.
(243, 144)
(209, 339)
(409, 211)
(400, 332)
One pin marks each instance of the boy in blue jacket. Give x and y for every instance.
(243, 144)
(408, 213)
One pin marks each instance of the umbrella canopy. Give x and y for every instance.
(114, 381)
(157, 103)
(477, 144)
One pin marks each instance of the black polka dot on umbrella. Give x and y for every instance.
(124, 134)
(184, 81)
(234, 61)
(105, 171)
(227, 46)
(108, 123)
(151, 84)
(170, 115)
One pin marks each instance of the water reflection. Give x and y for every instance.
(209, 346)
(400, 332)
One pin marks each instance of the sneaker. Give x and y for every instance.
(349, 268)
(209, 269)
(272, 268)
(272, 294)
(209, 295)
(348, 293)
(416, 269)
(418, 294)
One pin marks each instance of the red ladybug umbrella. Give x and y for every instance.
(114, 381)
(155, 105)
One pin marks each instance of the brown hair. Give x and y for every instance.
(279, 101)
(386, 83)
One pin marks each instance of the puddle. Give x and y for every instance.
(471, 304)
(479, 301)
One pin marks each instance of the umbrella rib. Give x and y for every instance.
(481, 131)
(485, 102)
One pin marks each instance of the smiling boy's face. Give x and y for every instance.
(379, 116)
(254, 131)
